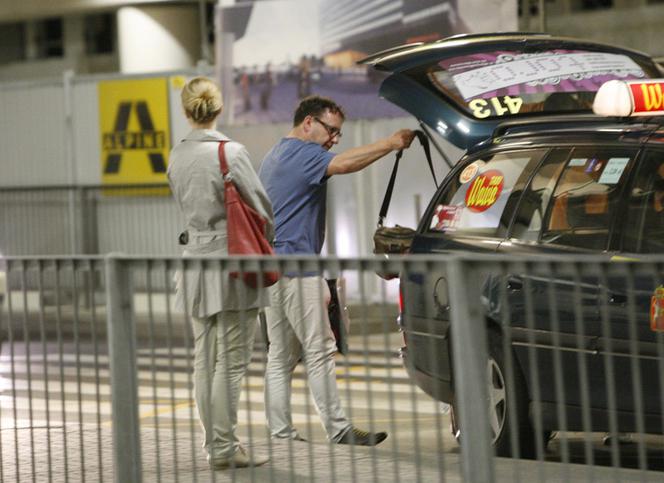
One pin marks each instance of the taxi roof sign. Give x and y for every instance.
(630, 98)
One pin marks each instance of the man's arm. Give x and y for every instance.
(356, 159)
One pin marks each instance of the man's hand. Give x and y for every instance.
(401, 139)
(355, 159)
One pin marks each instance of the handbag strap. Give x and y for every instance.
(424, 141)
(223, 165)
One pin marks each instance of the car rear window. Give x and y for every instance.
(480, 198)
(502, 84)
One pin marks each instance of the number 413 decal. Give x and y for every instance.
(486, 107)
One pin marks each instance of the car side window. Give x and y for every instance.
(481, 198)
(528, 222)
(581, 209)
(644, 224)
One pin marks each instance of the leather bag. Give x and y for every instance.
(393, 239)
(397, 240)
(338, 313)
(246, 230)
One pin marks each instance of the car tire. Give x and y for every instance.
(498, 403)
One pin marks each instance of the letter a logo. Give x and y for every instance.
(122, 139)
(135, 134)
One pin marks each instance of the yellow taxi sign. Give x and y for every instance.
(135, 134)
(630, 98)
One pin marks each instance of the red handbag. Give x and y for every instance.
(246, 230)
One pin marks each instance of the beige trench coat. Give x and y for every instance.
(198, 188)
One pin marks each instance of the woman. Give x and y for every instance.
(223, 311)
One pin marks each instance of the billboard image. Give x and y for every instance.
(284, 50)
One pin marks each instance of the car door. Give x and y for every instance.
(643, 233)
(570, 206)
(470, 212)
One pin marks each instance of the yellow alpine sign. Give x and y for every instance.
(135, 137)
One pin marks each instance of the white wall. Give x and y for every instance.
(32, 134)
(37, 150)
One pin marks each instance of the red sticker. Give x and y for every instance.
(468, 172)
(445, 218)
(657, 310)
(484, 191)
(648, 97)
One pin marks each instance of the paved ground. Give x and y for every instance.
(173, 460)
(55, 423)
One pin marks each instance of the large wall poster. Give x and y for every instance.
(284, 50)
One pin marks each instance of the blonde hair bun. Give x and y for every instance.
(201, 100)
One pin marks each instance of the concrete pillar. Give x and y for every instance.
(74, 41)
(30, 40)
(158, 38)
(562, 7)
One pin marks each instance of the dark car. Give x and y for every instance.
(542, 173)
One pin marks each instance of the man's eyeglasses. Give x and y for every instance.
(331, 130)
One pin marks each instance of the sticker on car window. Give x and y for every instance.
(484, 191)
(445, 218)
(494, 106)
(547, 68)
(613, 170)
(478, 205)
(577, 162)
(657, 310)
(511, 83)
(469, 172)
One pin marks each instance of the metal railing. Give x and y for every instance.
(567, 354)
(88, 219)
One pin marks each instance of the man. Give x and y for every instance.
(295, 174)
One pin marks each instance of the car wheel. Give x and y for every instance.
(498, 405)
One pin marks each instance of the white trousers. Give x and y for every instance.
(223, 344)
(298, 327)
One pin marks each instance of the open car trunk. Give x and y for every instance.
(465, 86)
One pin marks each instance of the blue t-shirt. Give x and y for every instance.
(293, 174)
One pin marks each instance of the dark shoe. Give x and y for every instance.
(362, 438)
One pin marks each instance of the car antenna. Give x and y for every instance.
(435, 145)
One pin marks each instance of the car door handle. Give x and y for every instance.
(514, 285)
(617, 299)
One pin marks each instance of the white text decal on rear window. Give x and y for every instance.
(548, 68)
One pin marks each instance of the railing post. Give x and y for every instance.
(70, 150)
(469, 350)
(124, 381)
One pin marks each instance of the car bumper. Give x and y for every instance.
(437, 388)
